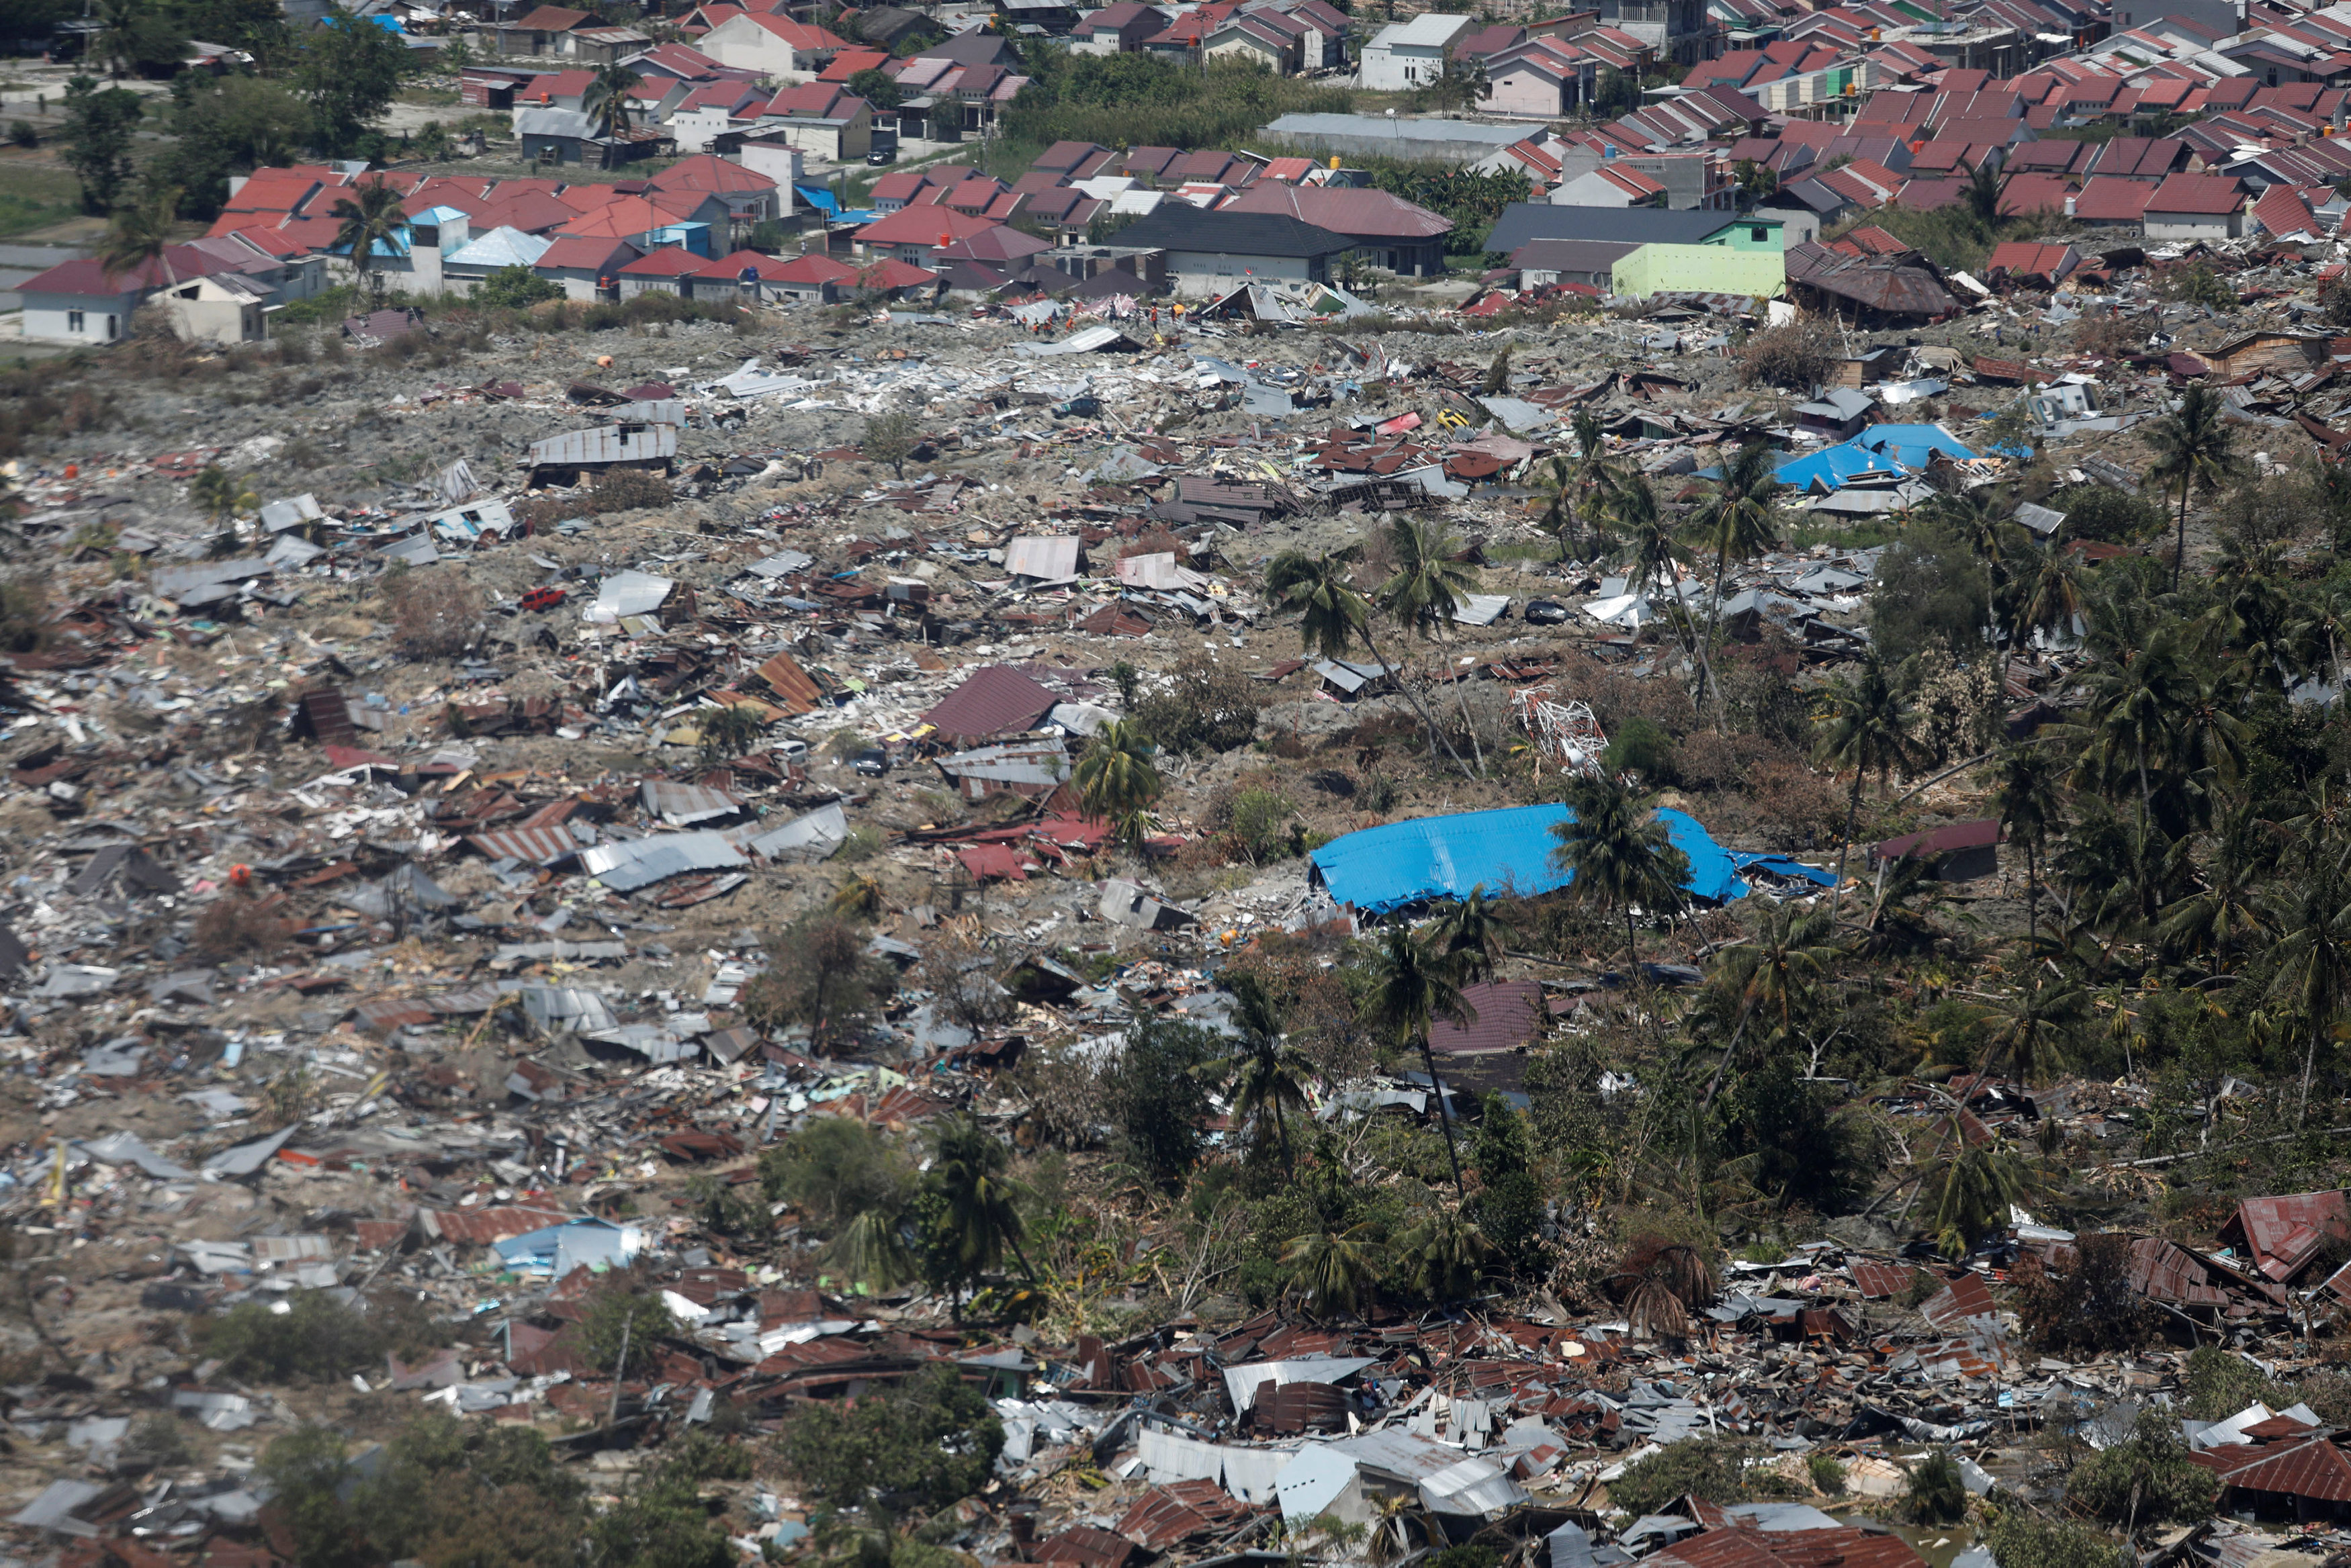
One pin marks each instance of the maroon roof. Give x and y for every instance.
(997, 701)
(1941, 840)
(179, 264)
(1505, 1015)
(2204, 196)
(2284, 1233)
(2314, 1468)
(2110, 198)
(1876, 1280)
(1965, 1297)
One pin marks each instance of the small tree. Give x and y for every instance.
(1117, 780)
(821, 972)
(2087, 1306)
(515, 287)
(2147, 1478)
(621, 1314)
(891, 438)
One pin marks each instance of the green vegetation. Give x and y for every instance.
(1137, 100)
(2146, 1479)
(926, 1444)
(1709, 1470)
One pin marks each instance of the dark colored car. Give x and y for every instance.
(1545, 612)
(873, 762)
(543, 598)
(882, 153)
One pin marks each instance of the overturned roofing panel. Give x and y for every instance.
(643, 861)
(997, 701)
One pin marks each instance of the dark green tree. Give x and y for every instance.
(928, 1444)
(1158, 1099)
(350, 69)
(99, 125)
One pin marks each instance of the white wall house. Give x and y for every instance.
(1408, 54)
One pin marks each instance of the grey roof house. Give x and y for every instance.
(1215, 253)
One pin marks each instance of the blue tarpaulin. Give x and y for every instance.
(1880, 448)
(1399, 863)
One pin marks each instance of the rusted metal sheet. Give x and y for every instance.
(1963, 1298)
(480, 1226)
(531, 846)
(1889, 286)
(792, 686)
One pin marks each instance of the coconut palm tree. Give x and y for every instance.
(2049, 593)
(1425, 588)
(1442, 1254)
(1661, 1283)
(1983, 191)
(1735, 522)
(370, 219)
(220, 497)
(1266, 1076)
(1336, 1270)
(2029, 801)
(1980, 518)
(1578, 489)
(871, 1250)
(2134, 695)
(1333, 615)
(1473, 934)
(1773, 977)
(1652, 550)
(2311, 913)
(1864, 727)
(117, 35)
(607, 98)
(978, 1221)
(1973, 1199)
(2036, 1027)
(138, 236)
(2195, 450)
(1411, 986)
(1117, 780)
(1616, 850)
(2222, 920)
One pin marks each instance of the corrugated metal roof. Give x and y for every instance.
(795, 692)
(2315, 1469)
(606, 444)
(2283, 1233)
(1876, 1280)
(1047, 560)
(483, 1226)
(1503, 1017)
(1963, 1298)
(682, 805)
(997, 701)
(643, 861)
(532, 846)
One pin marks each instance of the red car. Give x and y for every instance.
(543, 598)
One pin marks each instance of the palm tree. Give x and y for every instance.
(2048, 593)
(1661, 1283)
(1983, 191)
(858, 899)
(1426, 587)
(2029, 801)
(607, 98)
(2311, 913)
(1652, 551)
(871, 1250)
(1773, 976)
(2224, 916)
(1266, 1076)
(1865, 728)
(1333, 615)
(2194, 449)
(1578, 491)
(2036, 1025)
(117, 35)
(1616, 850)
(1735, 520)
(2133, 697)
(1473, 934)
(1443, 1252)
(218, 496)
(375, 220)
(138, 236)
(1116, 780)
(1977, 1190)
(1979, 518)
(1337, 1270)
(978, 1217)
(1411, 988)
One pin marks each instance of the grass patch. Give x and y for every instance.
(1954, 235)
(1801, 532)
(36, 196)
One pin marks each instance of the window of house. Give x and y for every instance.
(110, 328)
(73, 320)
(1758, 234)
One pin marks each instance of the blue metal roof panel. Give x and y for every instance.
(1399, 863)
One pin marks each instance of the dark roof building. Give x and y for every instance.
(1524, 221)
(1217, 252)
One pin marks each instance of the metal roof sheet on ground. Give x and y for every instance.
(1381, 869)
(795, 692)
(1959, 1299)
(2284, 1232)
(818, 832)
(643, 861)
(1242, 1383)
(1049, 560)
(2314, 1470)
(605, 444)
(1876, 1280)
(633, 593)
(684, 805)
(531, 846)
(998, 700)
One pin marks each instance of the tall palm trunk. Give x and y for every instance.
(1445, 1116)
(1427, 720)
(1852, 816)
(1632, 951)
(2032, 900)
(2180, 560)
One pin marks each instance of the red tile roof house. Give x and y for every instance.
(777, 46)
(2111, 202)
(914, 233)
(79, 302)
(661, 272)
(751, 196)
(1116, 29)
(817, 279)
(2196, 207)
(584, 265)
(752, 276)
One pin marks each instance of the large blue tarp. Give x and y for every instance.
(1399, 863)
(1877, 450)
